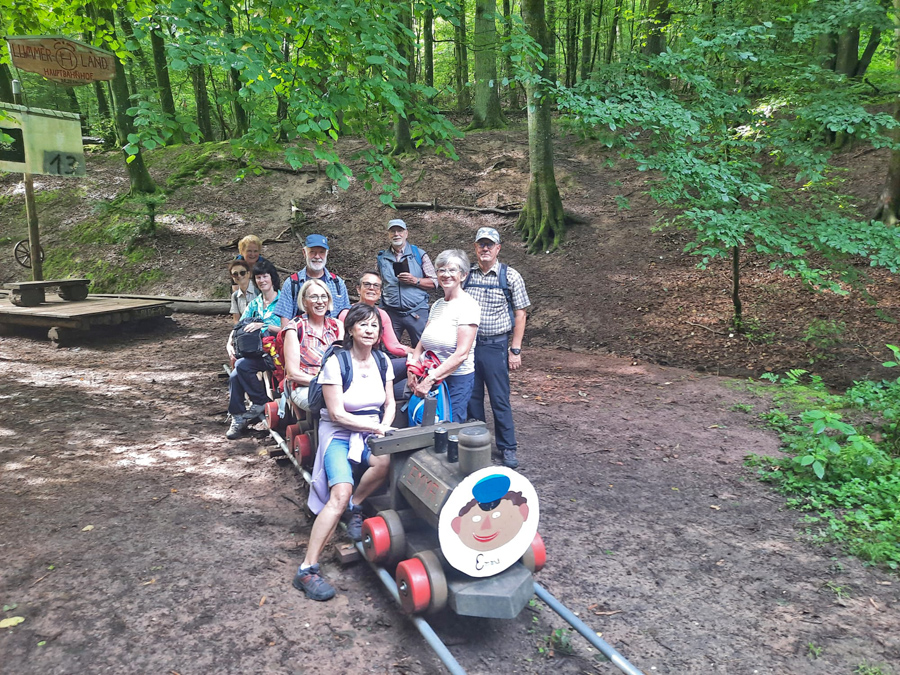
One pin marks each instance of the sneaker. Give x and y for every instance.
(238, 424)
(354, 523)
(315, 587)
(509, 459)
(254, 411)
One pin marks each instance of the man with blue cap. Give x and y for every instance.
(316, 252)
(407, 274)
(494, 516)
(500, 291)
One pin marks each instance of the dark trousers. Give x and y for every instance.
(492, 371)
(413, 323)
(243, 380)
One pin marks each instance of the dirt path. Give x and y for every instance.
(656, 534)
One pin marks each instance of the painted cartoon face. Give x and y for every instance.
(487, 530)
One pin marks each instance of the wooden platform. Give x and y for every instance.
(66, 317)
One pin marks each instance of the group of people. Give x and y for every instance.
(475, 330)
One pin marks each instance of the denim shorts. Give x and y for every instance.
(338, 467)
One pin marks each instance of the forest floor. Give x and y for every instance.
(136, 538)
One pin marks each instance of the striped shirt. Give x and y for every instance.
(442, 330)
(313, 346)
(492, 300)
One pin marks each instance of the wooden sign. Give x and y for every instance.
(62, 60)
(43, 141)
(488, 522)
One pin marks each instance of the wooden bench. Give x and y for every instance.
(31, 293)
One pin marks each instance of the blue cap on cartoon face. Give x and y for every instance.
(491, 488)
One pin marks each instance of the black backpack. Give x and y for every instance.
(247, 344)
(504, 286)
(316, 397)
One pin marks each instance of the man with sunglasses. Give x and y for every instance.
(408, 274)
(245, 292)
(500, 292)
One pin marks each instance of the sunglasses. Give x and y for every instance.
(485, 244)
(239, 274)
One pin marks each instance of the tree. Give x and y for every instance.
(507, 58)
(403, 143)
(201, 100)
(461, 59)
(487, 112)
(888, 206)
(542, 221)
(586, 35)
(658, 16)
(613, 32)
(161, 69)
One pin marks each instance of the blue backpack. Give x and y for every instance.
(416, 407)
(317, 398)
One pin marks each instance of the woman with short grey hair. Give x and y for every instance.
(450, 334)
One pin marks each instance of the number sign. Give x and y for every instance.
(44, 141)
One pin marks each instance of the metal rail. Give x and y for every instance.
(590, 635)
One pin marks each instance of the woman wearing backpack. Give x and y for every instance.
(307, 337)
(356, 407)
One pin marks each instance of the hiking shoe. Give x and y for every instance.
(238, 424)
(315, 587)
(354, 523)
(254, 411)
(509, 459)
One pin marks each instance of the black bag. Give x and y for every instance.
(247, 344)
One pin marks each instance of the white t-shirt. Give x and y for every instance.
(441, 332)
(365, 391)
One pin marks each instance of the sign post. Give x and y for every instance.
(34, 232)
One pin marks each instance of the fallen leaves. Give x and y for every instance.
(87, 528)
(715, 507)
(11, 621)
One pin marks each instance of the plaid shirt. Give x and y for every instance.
(492, 300)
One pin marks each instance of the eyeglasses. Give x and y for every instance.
(448, 270)
(317, 298)
(371, 284)
(239, 274)
(485, 244)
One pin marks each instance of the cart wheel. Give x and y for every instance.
(22, 253)
(290, 432)
(437, 580)
(413, 586)
(536, 556)
(376, 539)
(302, 449)
(272, 418)
(397, 533)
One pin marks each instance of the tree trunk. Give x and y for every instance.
(888, 207)
(550, 20)
(828, 44)
(587, 28)
(487, 112)
(135, 48)
(613, 32)
(201, 98)
(281, 112)
(161, 69)
(402, 136)
(572, 26)
(736, 289)
(513, 89)
(868, 53)
(234, 79)
(658, 16)
(5, 84)
(428, 45)
(847, 57)
(463, 99)
(137, 172)
(542, 222)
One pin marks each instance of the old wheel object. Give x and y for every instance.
(302, 449)
(398, 535)
(413, 586)
(272, 418)
(290, 432)
(376, 539)
(437, 580)
(22, 253)
(536, 556)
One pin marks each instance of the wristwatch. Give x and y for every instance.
(417, 281)
(515, 351)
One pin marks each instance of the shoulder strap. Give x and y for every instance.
(417, 253)
(346, 364)
(383, 363)
(295, 285)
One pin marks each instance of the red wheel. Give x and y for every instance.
(376, 539)
(272, 418)
(536, 556)
(289, 434)
(413, 586)
(302, 449)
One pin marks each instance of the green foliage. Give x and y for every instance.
(824, 333)
(845, 475)
(866, 668)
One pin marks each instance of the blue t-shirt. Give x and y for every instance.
(265, 313)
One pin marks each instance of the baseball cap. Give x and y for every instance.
(396, 222)
(317, 240)
(488, 233)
